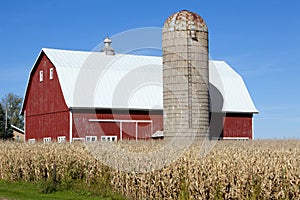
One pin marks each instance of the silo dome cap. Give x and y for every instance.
(185, 20)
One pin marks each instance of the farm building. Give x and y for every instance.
(76, 95)
(18, 134)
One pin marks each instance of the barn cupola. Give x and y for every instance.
(107, 49)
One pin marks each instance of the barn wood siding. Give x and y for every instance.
(82, 127)
(238, 125)
(48, 125)
(46, 111)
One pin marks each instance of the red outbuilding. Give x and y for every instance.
(76, 95)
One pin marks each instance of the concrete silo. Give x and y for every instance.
(185, 75)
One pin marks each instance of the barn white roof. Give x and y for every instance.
(93, 79)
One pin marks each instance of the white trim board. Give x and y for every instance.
(121, 121)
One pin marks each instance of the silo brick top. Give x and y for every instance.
(185, 20)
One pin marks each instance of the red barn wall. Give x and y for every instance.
(237, 126)
(46, 112)
(82, 127)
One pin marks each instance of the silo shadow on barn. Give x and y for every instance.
(216, 116)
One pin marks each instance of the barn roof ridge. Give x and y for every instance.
(97, 52)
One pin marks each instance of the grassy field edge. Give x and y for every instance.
(33, 191)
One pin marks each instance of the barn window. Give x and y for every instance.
(109, 138)
(78, 139)
(91, 138)
(41, 76)
(51, 73)
(61, 139)
(47, 140)
(31, 141)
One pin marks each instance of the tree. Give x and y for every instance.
(13, 104)
(6, 131)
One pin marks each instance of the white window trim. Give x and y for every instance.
(90, 138)
(47, 140)
(51, 74)
(41, 76)
(31, 141)
(78, 139)
(61, 139)
(109, 138)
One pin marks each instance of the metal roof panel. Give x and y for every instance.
(93, 79)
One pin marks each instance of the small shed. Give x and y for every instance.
(18, 134)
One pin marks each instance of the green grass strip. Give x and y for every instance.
(30, 191)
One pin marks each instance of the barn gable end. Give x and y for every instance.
(44, 107)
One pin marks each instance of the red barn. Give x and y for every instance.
(76, 95)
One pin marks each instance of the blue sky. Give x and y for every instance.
(258, 38)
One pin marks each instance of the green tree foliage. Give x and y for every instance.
(2, 122)
(6, 131)
(13, 104)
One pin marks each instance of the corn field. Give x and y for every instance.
(266, 169)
